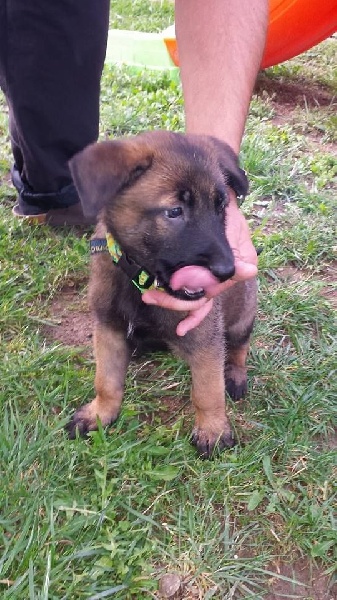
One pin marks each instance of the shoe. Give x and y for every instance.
(56, 217)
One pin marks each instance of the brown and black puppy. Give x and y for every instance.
(163, 197)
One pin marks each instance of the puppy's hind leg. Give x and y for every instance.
(235, 367)
(239, 309)
(112, 358)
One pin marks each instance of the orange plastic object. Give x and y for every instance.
(294, 26)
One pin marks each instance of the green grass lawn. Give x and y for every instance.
(107, 517)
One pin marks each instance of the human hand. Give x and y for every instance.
(245, 261)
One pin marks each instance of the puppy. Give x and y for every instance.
(160, 201)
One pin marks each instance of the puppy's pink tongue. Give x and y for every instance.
(193, 279)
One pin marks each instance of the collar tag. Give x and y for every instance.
(98, 245)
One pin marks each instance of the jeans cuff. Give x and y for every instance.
(37, 202)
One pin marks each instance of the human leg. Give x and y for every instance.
(51, 59)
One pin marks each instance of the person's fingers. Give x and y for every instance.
(243, 271)
(193, 319)
(196, 314)
(164, 300)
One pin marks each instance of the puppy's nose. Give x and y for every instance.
(222, 270)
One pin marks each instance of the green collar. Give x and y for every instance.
(139, 276)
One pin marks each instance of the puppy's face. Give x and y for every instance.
(163, 196)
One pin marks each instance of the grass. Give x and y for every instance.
(108, 516)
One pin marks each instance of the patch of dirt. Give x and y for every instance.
(329, 276)
(325, 147)
(327, 443)
(273, 214)
(298, 93)
(168, 410)
(311, 584)
(290, 273)
(287, 97)
(332, 441)
(173, 397)
(72, 320)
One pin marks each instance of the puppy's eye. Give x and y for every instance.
(173, 213)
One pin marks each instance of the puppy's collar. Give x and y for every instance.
(139, 276)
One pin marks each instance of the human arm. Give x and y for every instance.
(220, 50)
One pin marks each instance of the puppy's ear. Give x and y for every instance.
(101, 170)
(236, 177)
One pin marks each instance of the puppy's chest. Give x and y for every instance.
(146, 331)
(140, 320)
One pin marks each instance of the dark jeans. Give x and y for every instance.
(51, 59)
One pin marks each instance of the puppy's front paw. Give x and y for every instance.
(209, 442)
(85, 419)
(80, 423)
(236, 381)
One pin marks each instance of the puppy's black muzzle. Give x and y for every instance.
(211, 252)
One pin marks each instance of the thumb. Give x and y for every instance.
(244, 270)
